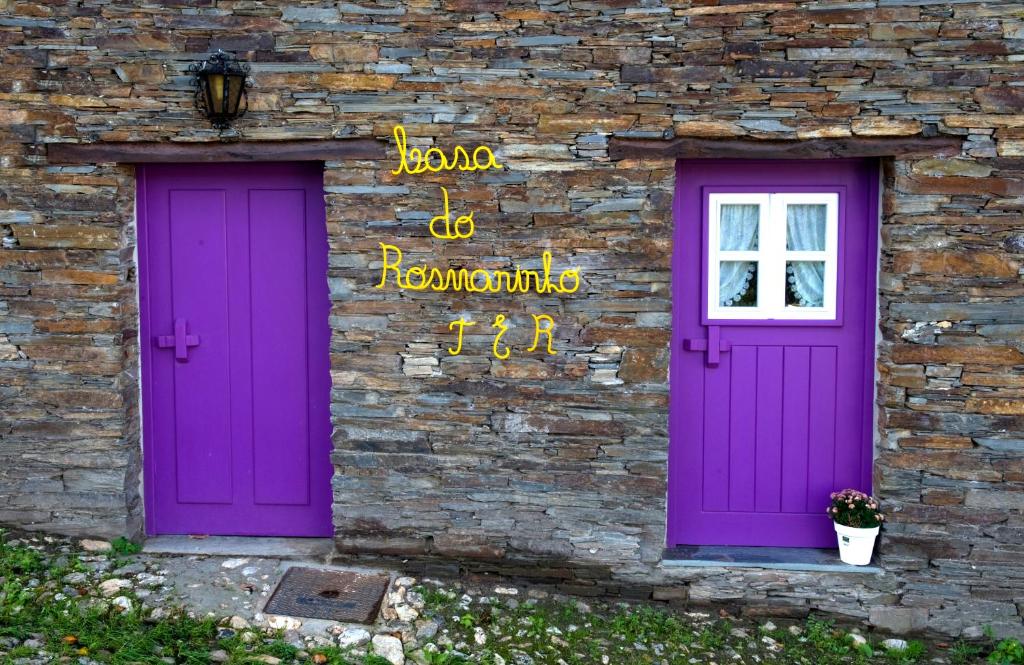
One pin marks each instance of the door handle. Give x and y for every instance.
(713, 344)
(180, 340)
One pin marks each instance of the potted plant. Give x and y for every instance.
(857, 519)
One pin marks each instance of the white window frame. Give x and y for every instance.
(772, 255)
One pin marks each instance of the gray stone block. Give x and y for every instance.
(899, 620)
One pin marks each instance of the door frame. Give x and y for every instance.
(146, 478)
(870, 268)
(143, 357)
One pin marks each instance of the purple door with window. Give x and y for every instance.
(772, 348)
(234, 312)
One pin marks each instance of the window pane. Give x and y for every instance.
(737, 283)
(805, 283)
(738, 226)
(805, 226)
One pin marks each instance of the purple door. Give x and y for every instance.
(773, 336)
(235, 342)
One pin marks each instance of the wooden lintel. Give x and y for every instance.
(147, 152)
(685, 147)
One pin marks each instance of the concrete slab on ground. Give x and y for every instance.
(239, 586)
(318, 549)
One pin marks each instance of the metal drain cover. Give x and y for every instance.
(336, 595)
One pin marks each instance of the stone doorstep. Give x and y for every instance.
(771, 558)
(318, 549)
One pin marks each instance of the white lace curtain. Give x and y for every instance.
(805, 230)
(738, 232)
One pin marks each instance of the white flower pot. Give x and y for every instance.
(856, 545)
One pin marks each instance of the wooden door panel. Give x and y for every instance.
(235, 344)
(770, 416)
(199, 289)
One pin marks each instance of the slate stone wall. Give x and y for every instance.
(557, 460)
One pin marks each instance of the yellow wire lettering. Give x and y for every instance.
(414, 161)
(462, 323)
(451, 233)
(546, 330)
(499, 323)
(422, 277)
(385, 267)
(474, 280)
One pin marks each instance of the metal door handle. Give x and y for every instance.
(180, 340)
(714, 345)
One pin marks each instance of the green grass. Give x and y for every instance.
(963, 652)
(124, 547)
(549, 632)
(1007, 652)
(554, 632)
(72, 628)
(914, 653)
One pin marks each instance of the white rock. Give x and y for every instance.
(150, 580)
(768, 626)
(113, 586)
(249, 571)
(506, 590)
(283, 623)
(479, 636)
(353, 637)
(219, 656)
(231, 564)
(316, 641)
(894, 644)
(406, 613)
(123, 602)
(856, 639)
(269, 660)
(389, 648)
(95, 545)
(426, 629)
(405, 581)
(238, 623)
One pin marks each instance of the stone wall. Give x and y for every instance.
(558, 460)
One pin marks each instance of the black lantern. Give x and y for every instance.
(220, 85)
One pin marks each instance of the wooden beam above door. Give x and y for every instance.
(685, 147)
(148, 152)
